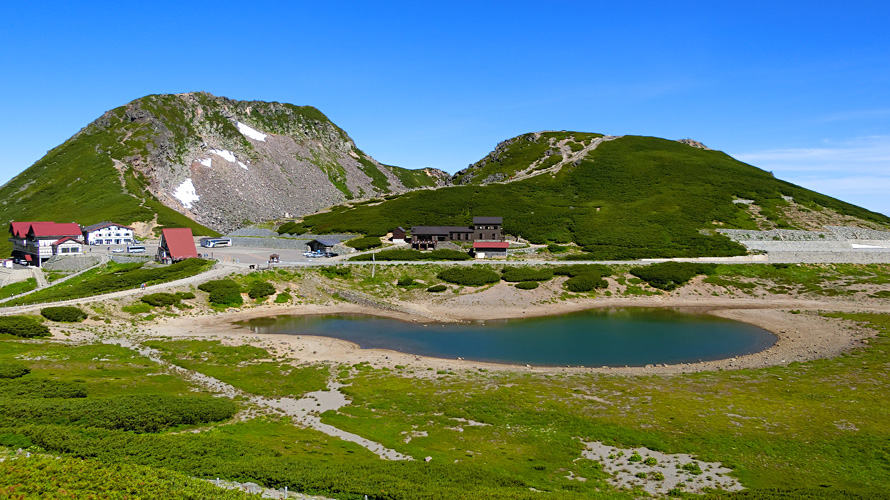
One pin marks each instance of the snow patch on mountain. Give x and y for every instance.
(251, 133)
(224, 154)
(186, 194)
(207, 162)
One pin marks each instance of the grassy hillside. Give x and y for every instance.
(78, 182)
(631, 197)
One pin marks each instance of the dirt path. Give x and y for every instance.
(305, 411)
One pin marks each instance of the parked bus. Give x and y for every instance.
(136, 249)
(216, 242)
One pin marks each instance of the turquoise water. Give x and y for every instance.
(615, 337)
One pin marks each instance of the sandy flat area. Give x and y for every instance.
(801, 335)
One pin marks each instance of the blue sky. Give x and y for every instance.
(798, 88)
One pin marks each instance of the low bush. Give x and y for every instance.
(66, 477)
(448, 254)
(573, 270)
(261, 289)
(670, 275)
(13, 370)
(42, 388)
(283, 298)
(437, 288)
(469, 276)
(335, 271)
(404, 254)
(406, 281)
(364, 243)
(527, 285)
(64, 314)
(22, 326)
(585, 283)
(160, 299)
(554, 248)
(291, 228)
(224, 292)
(138, 413)
(516, 274)
(185, 295)
(138, 308)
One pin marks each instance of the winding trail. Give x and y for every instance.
(305, 411)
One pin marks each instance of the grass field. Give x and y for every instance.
(819, 429)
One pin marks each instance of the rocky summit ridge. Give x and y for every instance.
(220, 162)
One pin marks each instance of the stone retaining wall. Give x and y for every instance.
(863, 256)
(70, 263)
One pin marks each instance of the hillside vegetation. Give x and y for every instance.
(127, 165)
(628, 198)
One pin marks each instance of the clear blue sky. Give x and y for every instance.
(798, 88)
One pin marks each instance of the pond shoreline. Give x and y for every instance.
(802, 336)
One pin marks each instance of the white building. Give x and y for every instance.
(108, 233)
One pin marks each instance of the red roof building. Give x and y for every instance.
(488, 249)
(177, 243)
(36, 242)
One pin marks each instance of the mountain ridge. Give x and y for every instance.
(205, 162)
(629, 197)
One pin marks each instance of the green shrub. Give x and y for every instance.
(67, 477)
(335, 271)
(185, 295)
(65, 314)
(10, 369)
(554, 248)
(138, 413)
(406, 281)
(365, 243)
(527, 285)
(405, 254)
(42, 388)
(573, 270)
(448, 254)
(291, 228)
(160, 299)
(22, 326)
(515, 274)
(585, 283)
(224, 292)
(137, 308)
(469, 276)
(692, 467)
(670, 275)
(283, 298)
(437, 288)
(261, 289)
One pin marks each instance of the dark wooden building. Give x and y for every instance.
(483, 229)
(398, 233)
(322, 245)
(488, 229)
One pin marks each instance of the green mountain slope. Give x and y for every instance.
(201, 161)
(629, 197)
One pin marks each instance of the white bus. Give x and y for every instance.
(216, 242)
(136, 249)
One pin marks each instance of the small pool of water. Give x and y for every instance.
(614, 337)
